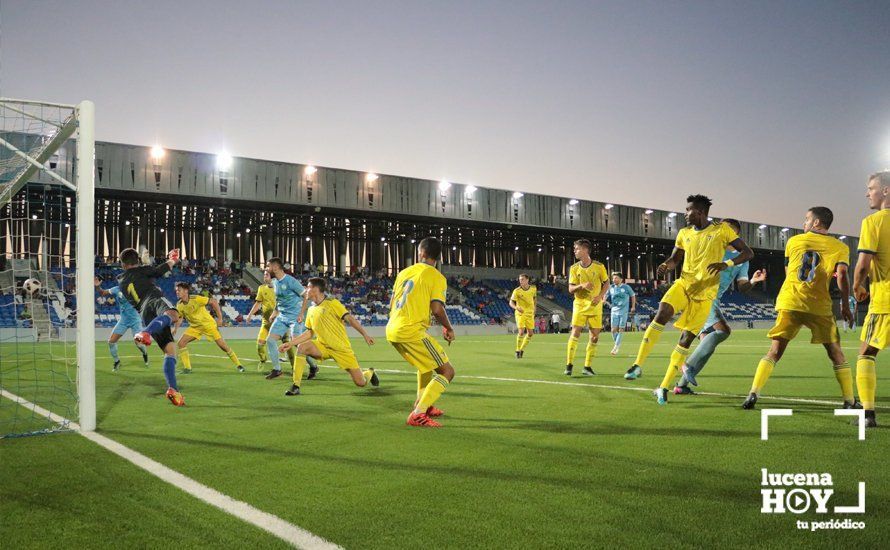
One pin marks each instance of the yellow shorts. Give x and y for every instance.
(345, 358)
(264, 330)
(693, 313)
(591, 317)
(525, 322)
(212, 333)
(789, 323)
(876, 330)
(425, 355)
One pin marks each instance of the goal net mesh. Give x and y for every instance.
(38, 303)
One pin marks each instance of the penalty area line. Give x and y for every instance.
(270, 523)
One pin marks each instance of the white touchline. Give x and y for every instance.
(282, 529)
(575, 384)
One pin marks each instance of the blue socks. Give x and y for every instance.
(113, 349)
(272, 345)
(158, 324)
(170, 371)
(699, 358)
(617, 338)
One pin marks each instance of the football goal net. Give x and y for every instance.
(47, 303)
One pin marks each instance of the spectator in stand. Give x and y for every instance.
(554, 322)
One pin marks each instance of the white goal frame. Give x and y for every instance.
(82, 125)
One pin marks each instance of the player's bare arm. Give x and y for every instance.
(745, 255)
(353, 322)
(860, 275)
(305, 307)
(843, 284)
(297, 340)
(256, 307)
(441, 315)
(675, 259)
(599, 297)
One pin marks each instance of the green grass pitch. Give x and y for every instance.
(527, 458)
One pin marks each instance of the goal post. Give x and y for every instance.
(47, 240)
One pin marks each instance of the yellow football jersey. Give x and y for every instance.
(265, 295)
(525, 299)
(409, 313)
(195, 312)
(811, 260)
(325, 320)
(594, 273)
(875, 239)
(702, 248)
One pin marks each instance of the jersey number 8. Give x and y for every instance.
(808, 265)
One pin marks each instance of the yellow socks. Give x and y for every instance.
(845, 379)
(519, 339)
(590, 353)
(292, 354)
(524, 342)
(678, 357)
(423, 380)
(185, 358)
(233, 357)
(299, 365)
(433, 391)
(764, 370)
(866, 381)
(262, 352)
(368, 373)
(650, 338)
(571, 349)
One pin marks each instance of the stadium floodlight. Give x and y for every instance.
(843, 237)
(470, 189)
(453, 248)
(413, 241)
(157, 152)
(763, 226)
(309, 170)
(238, 235)
(518, 195)
(649, 211)
(443, 186)
(371, 177)
(34, 217)
(573, 202)
(127, 222)
(162, 230)
(223, 162)
(517, 248)
(609, 206)
(247, 230)
(307, 239)
(672, 215)
(209, 228)
(785, 230)
(710, 219)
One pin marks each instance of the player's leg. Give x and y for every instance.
(305, 350)
(116, 333)
(164, 340)
(595, 325)
(427, 356)
(691, 321)
(520, 334)
(298, 329)
(136, 326)
(182, 347)
(716, 331)
(280, 327)
(261, 351)
(347, 361)
(224, 346)
(786, 328)
(842, 372)
(578, 322)
(666, 308)
(875, 336)
(166, 316)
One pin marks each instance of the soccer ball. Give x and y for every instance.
(31, 286)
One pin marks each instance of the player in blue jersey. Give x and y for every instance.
(129, 320)
(623, 301)
(290, 312)
(716, 328)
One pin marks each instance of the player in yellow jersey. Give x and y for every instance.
(524, 300)
(588, 283)
(265, 304)
(419, 291)
(700, 247)
(812, 260)
(193, 309)
(873, 263)
(325, 338)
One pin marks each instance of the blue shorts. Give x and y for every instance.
(715, 316)
(283, 324)
(127, 323)
(619, 319)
